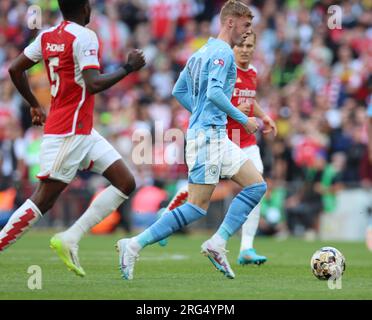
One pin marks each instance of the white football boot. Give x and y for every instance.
(217, 255)
(127, 259)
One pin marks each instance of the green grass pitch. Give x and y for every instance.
(179, 271)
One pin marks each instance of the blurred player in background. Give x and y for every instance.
(70, 53)
(204, 88)
(244, 97)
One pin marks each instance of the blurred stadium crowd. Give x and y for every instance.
(314, 82)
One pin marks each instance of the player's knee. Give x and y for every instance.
(259, 177)
(131, 186)
(127, 186)
(256, 179)
(42, 202)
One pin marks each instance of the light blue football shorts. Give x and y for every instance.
(211, 155)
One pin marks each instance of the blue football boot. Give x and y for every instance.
(250, 256)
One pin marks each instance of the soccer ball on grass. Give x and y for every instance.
(327, 262)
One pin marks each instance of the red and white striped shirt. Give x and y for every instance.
(67, 50)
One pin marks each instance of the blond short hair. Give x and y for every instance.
(236, 9)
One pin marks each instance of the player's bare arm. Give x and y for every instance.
(245, 108)
(269, 124)
(17, 72)
(97, 82)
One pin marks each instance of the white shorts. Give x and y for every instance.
(62, 157)
(211, 155)
(253, 154)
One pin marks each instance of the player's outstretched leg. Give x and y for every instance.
(170, 222)
(244, 202)
(66, 243)
(179, 199)
(30, 212)
(247, 254)
(254, 189)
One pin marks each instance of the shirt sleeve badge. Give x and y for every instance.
(219, 61)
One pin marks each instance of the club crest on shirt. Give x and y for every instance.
(219, 61)
(91, 52)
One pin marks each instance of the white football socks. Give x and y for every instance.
(249, 228)
(105, 203)
(20, 221)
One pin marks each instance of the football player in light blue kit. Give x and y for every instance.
(205, 88)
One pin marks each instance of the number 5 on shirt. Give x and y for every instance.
(54, 77)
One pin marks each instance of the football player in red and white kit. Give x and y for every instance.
(244, 98)
(70, 54)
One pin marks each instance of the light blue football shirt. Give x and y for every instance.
(208, 71)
